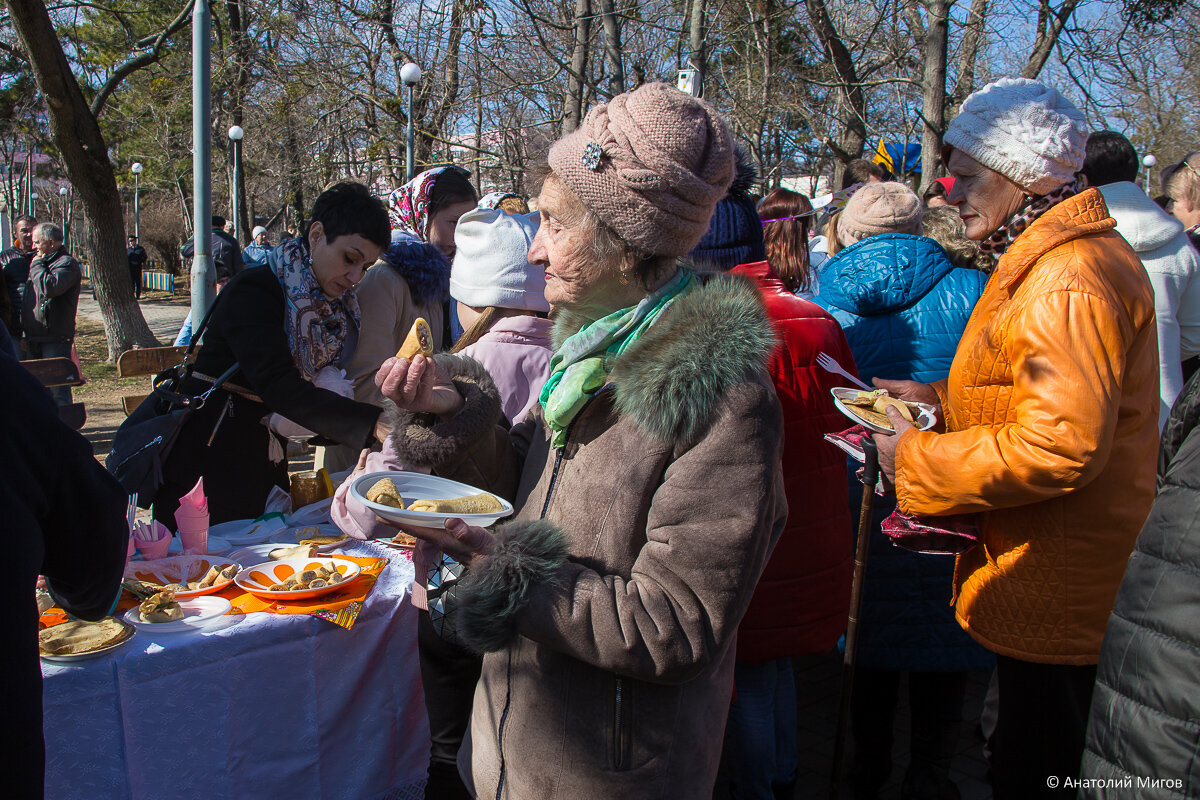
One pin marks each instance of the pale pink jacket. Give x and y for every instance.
(516, 353)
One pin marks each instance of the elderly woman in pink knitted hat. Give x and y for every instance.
(646, 479)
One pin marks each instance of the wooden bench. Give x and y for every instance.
(145, 361)
(55, 372)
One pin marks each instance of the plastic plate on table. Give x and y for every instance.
(253, 554)
(197, 612)
(258, 579)
(241, 532)
(176, 569)
(296, 535)
(417, 486)
(216, 546)
(67, 658)
(924, 415)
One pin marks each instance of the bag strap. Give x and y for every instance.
(199, 331)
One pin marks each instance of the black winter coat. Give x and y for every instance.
(1145, 717)
(14, 263)
(227, 256)
(52, 297)
(63, 517)
(247, 328)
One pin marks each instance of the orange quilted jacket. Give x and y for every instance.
(1051, 413)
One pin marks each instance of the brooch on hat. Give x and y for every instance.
(591, 156)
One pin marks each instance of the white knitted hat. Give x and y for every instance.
(1024, 130)
(491, 262)
(257, 230)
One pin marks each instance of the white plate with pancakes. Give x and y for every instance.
(924, 415)
(414, 486)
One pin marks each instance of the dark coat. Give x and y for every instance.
(63, 517)
(14, 263)
(609, 608)
(803, 597)
(247, 328)
(227, 256)
(903, 305)
(52, 297)
(1145, 718)
(137, 259)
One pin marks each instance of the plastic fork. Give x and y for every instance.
(131, 511)
(827, 363)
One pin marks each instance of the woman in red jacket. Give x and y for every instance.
(803, 597)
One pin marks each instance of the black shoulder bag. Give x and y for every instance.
(145, 439)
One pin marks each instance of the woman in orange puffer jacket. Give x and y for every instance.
(1051, 418)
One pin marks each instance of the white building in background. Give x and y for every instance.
(808, 185)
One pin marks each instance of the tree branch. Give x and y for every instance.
(137, 62)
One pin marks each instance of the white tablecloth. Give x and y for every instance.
(266, 706)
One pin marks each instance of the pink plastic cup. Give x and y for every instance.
(152, 551)
(193, 531)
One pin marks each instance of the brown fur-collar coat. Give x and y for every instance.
(609, 607)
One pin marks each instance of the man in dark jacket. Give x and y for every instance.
(14, 262)
(49, 484)
(137, 261)
(227, 256)
(1141, 737)
(51, 300)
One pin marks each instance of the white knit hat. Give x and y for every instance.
(1024, 130)
(491, 262)
(257, 230)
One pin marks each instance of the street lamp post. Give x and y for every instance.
(235, 135)
(1149, 161)
(62, 192)
(136, 169)
(410, 74)
(204, 284)
(33, 198)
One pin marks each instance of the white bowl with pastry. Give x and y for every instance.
(164, 613)
(869, 409)
(325, 537)
(77, 640)
(298, 578)
(427, 501)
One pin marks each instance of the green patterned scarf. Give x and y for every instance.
(581, 366)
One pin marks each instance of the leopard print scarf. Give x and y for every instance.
(1034, 206)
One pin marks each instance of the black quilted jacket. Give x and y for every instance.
(1143, 737)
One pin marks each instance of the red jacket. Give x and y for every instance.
(803, 596)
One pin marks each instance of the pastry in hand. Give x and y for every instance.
(385, 493)
(419, 340)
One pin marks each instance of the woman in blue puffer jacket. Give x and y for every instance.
(903, 306)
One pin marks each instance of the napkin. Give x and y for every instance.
(943, 535)
(195, 499)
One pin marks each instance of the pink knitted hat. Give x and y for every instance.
(880, 208)
(651, 163)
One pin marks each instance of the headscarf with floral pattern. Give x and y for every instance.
(408, 206)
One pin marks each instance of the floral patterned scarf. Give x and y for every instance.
(996, 244)
(408, 206)
(316, 325)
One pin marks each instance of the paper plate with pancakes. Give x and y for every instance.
(870, 409)
(325, 537)
(427, 501)
(76, 640)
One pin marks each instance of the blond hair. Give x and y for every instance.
(1184, 181)
(945, 226)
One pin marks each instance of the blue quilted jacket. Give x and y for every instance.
(903, 306)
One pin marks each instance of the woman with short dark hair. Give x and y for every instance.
(281, 324)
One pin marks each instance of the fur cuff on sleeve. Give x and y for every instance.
(526, 556)
(422, 440)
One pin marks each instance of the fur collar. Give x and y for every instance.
(424, 267)
(671, 382)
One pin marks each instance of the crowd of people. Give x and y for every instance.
(635, 367)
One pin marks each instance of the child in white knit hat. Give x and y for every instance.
(500, 296)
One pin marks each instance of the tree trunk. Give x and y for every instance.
(968, 51)
(84, 153)
(697, 36)
(851, 107)
(934, 84)
(1050, 27)
(612, 46)
(573, 107)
